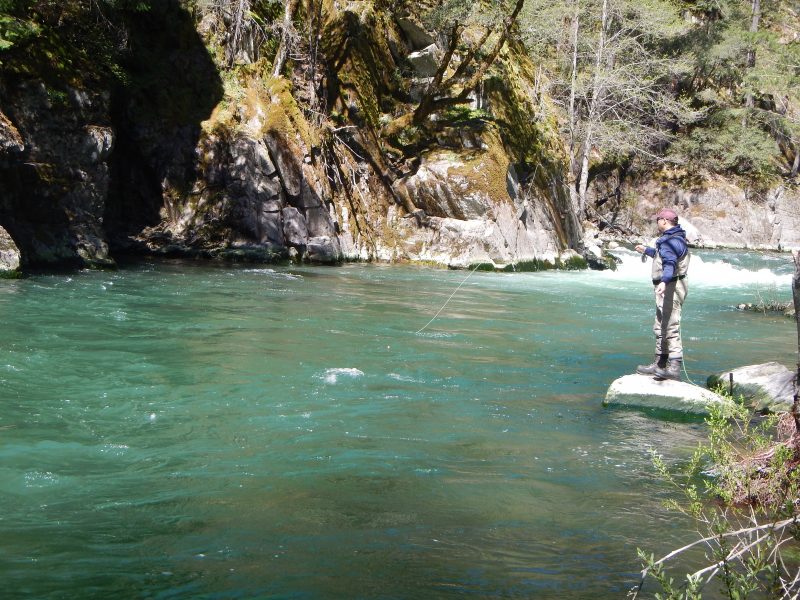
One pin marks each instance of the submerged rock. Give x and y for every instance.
(784, 308)
(765, 387)
(647, 392)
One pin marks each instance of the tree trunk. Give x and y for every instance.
(751, 53)
(238, 27)
(573, 118)
(430, 102)
(583, 184)
(754, 21)
(597, 94)
(314, 35)
(283, 48)
(796, 164)
(796, 298)
(426, 104)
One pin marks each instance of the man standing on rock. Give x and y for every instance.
(670, 265)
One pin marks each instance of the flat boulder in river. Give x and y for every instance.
(647, 392)
(765, 387)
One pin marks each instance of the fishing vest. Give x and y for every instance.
(680, 269)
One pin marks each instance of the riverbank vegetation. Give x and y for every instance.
(680, 88)
(741, 490)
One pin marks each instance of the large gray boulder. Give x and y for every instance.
(765, 387)
(425, 62)
(417, 37)
(647, 392)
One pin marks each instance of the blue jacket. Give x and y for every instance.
(672, 245)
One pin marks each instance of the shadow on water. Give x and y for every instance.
(660, 414)
(171, 85)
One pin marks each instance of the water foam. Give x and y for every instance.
(707, 272)
(333, 375)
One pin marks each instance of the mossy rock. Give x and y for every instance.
(529, 266)
(364, 82)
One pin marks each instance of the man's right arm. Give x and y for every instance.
(647, 250)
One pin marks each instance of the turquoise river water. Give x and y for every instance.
(176, 430)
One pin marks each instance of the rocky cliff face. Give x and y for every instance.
(170, 160)
(715, 212)
(54, 170)
(722, 214)
(196, 150)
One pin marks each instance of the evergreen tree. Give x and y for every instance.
(745, 80)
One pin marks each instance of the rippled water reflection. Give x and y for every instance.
(186, 431)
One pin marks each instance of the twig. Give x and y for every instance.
(747, 530)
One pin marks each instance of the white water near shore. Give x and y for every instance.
(708, 269)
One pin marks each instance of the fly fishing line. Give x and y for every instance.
(450, 298)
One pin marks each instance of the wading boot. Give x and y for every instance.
(673, 370)
(659, 363)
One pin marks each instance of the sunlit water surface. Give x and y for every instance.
(177, 430)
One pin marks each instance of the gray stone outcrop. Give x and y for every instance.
(766, 387)
(9, 256)
(474, 209)
(425, 62)
(416, 36)
(257, 199)
(721, 214)
(642, 391)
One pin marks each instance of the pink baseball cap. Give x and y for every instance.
(666, 213)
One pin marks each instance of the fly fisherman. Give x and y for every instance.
(670, 264)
